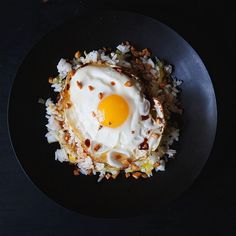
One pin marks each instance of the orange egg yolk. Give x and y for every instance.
(114, 110)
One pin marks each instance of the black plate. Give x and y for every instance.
(121, 197)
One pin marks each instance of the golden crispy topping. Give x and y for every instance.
(113, 83)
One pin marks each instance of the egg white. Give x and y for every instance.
(126, 137)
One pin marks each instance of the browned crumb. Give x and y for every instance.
(159, 120)
(97, 147)
(77, 54)
(128, 84)
(68, 105)
(113, 83)
(134, 167)
(136, 175)
(115, 175)
(125, 163)
(107, 176)
(144, 175)
(100, 95)
(50, 80)
(93, 114)
(127, 175)
(132, 131)
(91, 88)
(67, 136)
(76, 172)
(156, 164)
(79, 84)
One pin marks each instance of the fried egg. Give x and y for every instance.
(111, 116)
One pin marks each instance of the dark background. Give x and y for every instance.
(208, 207)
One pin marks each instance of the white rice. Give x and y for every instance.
(55, 132)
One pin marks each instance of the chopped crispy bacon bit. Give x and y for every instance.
(76, 172)
(68, 105)
(144, 117)
(50, 80)
(87, 142)
(132, 131)
(113, 83)
(91, 88)
(97, 147)
(115, 175)
(77, 54)
(109, 123)
(67, 136)
(144, 145)
(100, 95)
(67, 86)
(128, 83)
(136, 175)
(100, 126)
(156, 164)
(145, 52)
(155, 135)
(144, 175)
(134, 167)
(79, 84)
(127, 175)
(107, 176)
(125, 163)
(158, 120)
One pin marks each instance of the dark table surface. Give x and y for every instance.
(208, 207)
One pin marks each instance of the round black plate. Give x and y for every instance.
(121, 197)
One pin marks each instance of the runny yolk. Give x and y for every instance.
(114, 111)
